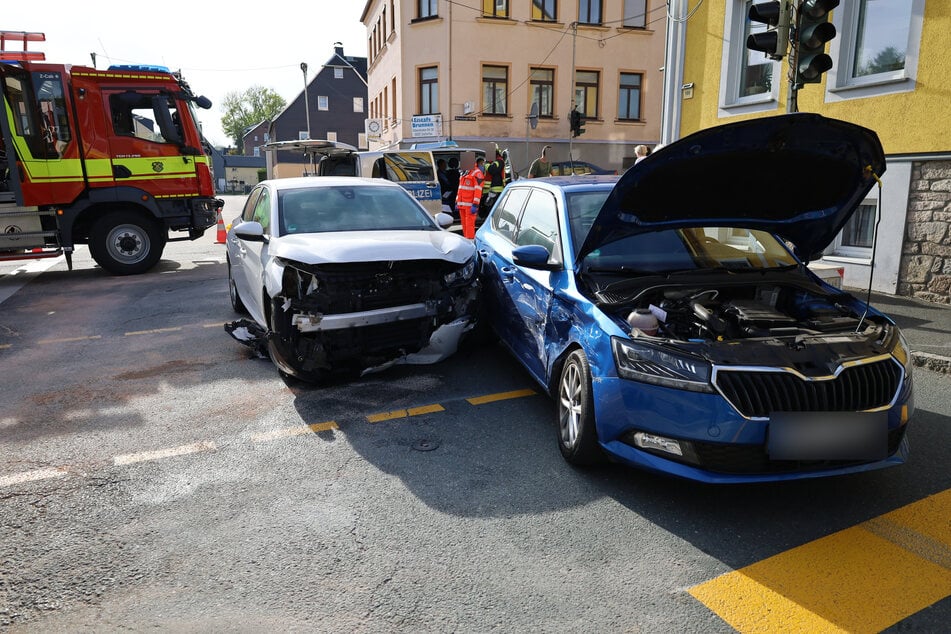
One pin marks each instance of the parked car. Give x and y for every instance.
(349, 274)
(674, 325)
(578, 168)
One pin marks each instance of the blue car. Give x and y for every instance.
(670, 313)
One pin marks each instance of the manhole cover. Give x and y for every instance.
(425, 445)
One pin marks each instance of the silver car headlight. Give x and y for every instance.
(463, 274)
(899, 349)
(650, 364)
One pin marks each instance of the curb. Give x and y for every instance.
(934, 362)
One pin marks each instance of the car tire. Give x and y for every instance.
(577, 434)
(126, 243)
(281, 348)
(236, 302)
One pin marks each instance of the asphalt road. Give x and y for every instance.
(155, 475)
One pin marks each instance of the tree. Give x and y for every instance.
(886, 60)
(248, 108)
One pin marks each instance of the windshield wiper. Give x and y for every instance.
(621, 270)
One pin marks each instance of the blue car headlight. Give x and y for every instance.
(463, 274)
(652, 364)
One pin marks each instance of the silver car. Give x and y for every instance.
(349, 274)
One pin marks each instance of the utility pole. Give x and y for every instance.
(303, 67)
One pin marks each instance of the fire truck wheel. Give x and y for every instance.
(126, 243)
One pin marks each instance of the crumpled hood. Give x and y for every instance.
(799, 175)
(372, 246)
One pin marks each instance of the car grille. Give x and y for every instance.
(860, 387)
(754, 459)
(348, 288)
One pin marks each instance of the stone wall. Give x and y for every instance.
(926, 256)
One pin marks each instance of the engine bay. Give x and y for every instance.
(731, 312)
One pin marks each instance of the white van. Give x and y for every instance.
(415, 170)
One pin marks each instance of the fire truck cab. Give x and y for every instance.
(110, 158)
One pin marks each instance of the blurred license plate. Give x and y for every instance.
(828, 436)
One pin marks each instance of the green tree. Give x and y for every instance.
(248, 108)
(886, 60)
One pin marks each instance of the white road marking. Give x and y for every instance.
(145, 456)
(17, 279)
(31, 476)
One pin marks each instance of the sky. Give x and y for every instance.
(219, 47)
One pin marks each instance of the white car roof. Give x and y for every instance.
(314, 182)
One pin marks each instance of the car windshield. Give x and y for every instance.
(350, 208)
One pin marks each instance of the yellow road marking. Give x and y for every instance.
(68, 339)
(154, 331)
(145, 456)
(501, 396)
(403, 413)
(861, 579)
(298, 430)
(30, 476)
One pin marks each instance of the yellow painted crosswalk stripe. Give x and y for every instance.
(862, 579)
(403, 413)
(501, 396)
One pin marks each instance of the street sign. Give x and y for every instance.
(533, 116)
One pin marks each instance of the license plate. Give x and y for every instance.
(828, 436)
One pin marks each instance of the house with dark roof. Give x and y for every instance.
(333, 107)
(254, 137)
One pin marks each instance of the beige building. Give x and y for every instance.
(472, 71)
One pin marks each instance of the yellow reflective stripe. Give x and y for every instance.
(99, 168)
(153, 75)
(165, 164)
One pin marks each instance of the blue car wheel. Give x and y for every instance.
(577, 435)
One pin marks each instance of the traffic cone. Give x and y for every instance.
(222, 234)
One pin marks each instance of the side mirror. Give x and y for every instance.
(443, 219)
(203, 102)
(250, 230)
(533, 256)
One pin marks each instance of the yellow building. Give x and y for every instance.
(472, 71)
(891, 72)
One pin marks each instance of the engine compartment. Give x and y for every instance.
(724, 312)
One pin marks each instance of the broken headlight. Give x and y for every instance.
(461, 275)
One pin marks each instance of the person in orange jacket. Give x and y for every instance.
(469, 196)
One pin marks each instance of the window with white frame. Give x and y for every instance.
(302, 135)
(857, 236)
(749, 78)
(362, 141)
(338, 73)
(323, 103)
(358, 104)
(877, 46)
(332, 136)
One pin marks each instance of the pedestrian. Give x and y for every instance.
(443, 178)
(494, 183)
(469, 196)
(640, 153)
(541, 166)
(453, 175)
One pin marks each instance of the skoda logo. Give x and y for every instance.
(158, 166)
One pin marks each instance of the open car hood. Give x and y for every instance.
(800, 176)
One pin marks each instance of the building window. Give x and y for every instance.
(545, 10)
(323, 103)
(428, 90)
(358, 104)
(586, 93)
(629, 97)
(495, 8)
(747, 75)
(302, 135)
(362, 142)
(495, 86)
(338, 73)
(635, 14)
(878, 45)
(427, 8)
(332, 136)
(589, 12)
(855, 239)
(543, 91)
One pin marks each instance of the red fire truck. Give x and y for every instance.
(109, 158)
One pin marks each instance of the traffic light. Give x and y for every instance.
(577, 127)
(814, 30)
(775, 40)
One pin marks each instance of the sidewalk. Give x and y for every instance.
(926, 326)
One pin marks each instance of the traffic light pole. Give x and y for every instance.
(574, 38)
(792, 94)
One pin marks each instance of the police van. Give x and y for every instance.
(415, 170)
